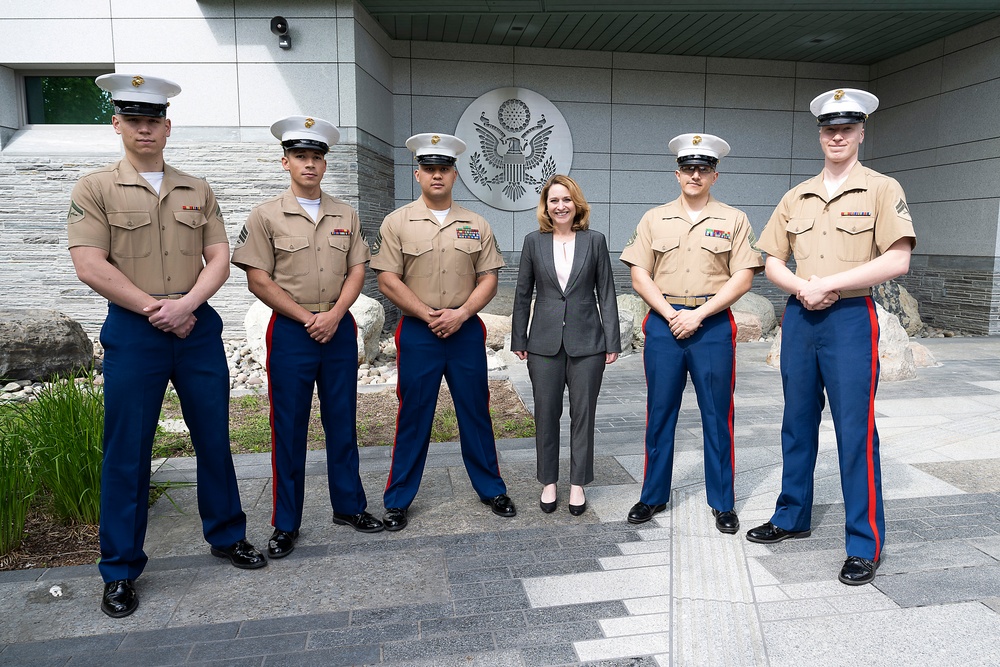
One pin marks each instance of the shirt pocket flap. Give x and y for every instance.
(856, 224)
(666, 244)
(290, 243)
(417, 248)
(468, 245)
(129, 219)
(799, 225)
(340, 242)
(716, 245)
(192, 219)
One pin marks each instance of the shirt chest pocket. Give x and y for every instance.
(715, 255)
(190, 231)
(855, 238)
(339, 247)
(801, 236)
(465, 258)
(417, 257)
(665, 254)
(289, 258)
(131, 233)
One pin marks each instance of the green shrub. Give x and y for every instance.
(64, 427)
(17, 484)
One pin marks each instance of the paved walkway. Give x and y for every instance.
(462, 587)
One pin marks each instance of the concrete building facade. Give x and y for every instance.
(934, 131)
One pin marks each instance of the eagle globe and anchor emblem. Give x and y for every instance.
(517, 140)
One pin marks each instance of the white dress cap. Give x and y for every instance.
(698, 149)
(844, 105)
(306, 132)
(137, 95)
(431, 148)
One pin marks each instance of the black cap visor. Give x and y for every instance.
(698, 159)
(306, 143)
(130, 108)
(436, 159)
(841, 118)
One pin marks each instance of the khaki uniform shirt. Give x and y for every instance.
(439, 262)
(309, 260)
(156, 241)
(688, 259)
(827, 235)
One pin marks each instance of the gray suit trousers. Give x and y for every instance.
(550, 375)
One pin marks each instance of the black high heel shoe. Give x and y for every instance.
(577, 510)
(548, 508)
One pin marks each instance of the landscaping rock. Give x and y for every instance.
(37, 344)
(754, 312)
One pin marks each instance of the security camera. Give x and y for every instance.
(279, 26)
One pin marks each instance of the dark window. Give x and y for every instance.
(66, 100)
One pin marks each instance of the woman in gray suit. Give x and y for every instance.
(574, 331)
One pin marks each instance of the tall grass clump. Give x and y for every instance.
(17, 484)
(64, 426)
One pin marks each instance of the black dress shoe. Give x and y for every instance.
(120, 598)
(726, 522)
(577, 510)
(243, 555)
(281, 543)
(548, 508)
(857, 571)
(394, 519)
(769, 534)
(501, 505)
(363, 523)
(641, 512)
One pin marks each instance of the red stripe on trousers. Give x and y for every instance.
(870, 439)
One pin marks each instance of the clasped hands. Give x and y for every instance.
(443, 322)
(815, 295)
(172, 316)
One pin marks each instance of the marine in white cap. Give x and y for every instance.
(304, 256)
(848, 228)
(151, 240)
(438, 263)
(690, 261)
(137, 95)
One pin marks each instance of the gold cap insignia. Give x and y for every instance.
(435, 139)
(310, 122)
(838, 95)
(137, 81)
(696, 139)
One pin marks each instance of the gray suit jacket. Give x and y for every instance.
(569, 318)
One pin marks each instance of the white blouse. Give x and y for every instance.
(562, 253)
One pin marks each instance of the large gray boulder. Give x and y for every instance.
(36, 344)
(497, 329)
(635, 307)
(894, 298)
(754, 317)
(626, 324)
(368, 314)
